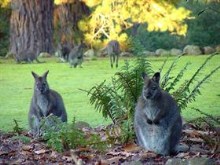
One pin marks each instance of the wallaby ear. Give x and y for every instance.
(34, 75)
(143, 75)
(45, 74)
(156, 77)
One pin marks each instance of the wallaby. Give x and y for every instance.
(26, 56)
(45, 102)
(113, 51)
(64, 50)
(76, 55)
(157, 120)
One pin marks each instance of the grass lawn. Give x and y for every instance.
(16, 87)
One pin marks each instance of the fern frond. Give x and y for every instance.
(193, 78)
(192, 95)
(177, 78)
(164, 63)
(166, 78)
(215, 119)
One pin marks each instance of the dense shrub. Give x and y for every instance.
(204, 29)
(154, 40)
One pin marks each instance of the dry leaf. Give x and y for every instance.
(42, 151)
(148, 154)
(114, 160)
(27, 147)
(196, 140)
(131, 147)
(67, 158)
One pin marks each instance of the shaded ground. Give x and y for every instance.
(202, 144)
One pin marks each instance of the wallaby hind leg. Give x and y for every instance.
(175, 137)
(116, 60)
(35, 126)
(111, 60)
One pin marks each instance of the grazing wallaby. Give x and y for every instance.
(76, 55)
(27, 57)
(45, 102)
(157, 121)
(113, 51)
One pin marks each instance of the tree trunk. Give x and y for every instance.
(31, 28)
(66, 17)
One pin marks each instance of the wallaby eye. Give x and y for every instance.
(154, 88)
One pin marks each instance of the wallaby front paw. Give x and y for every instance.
(156, 122)
(149, 121)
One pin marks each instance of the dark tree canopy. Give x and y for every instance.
(31, 28)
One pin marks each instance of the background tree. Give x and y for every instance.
(110, 18)
(31, 28)
(67, 14)
(5, 13)
(204, 29)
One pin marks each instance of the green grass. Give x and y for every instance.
(16, 87)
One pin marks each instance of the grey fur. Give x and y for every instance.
(64, 50)
(157, 120)
(45, 102)
(113, 51)
(76, 56)
(27, 57)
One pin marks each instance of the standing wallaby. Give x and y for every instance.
(113, 51)
(45, 102)
(64, 50)
(157, 120)
(76, 55)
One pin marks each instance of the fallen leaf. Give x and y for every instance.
(196, 140)
(53, 154)
(3, 153)
(114, 160)
(148, 154)
(191, 133)
(197, 149)
(27, 147)
(42, 151)
(131, 147)
(182, 155)
(67, 158)
(126, 154)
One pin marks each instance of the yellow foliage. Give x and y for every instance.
(111, 17)
(57, 2)
(92, 3)
(4, 3)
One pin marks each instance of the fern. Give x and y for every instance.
(184, 94)
(196, 90)
(166, 78)
(177, 79)
(117, 100)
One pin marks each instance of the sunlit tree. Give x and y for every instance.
(110, 18)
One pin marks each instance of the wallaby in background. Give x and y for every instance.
(76, 55)
(64, 50)
(45, 102)
(27, 57)
(157, 120)
(113, 51)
